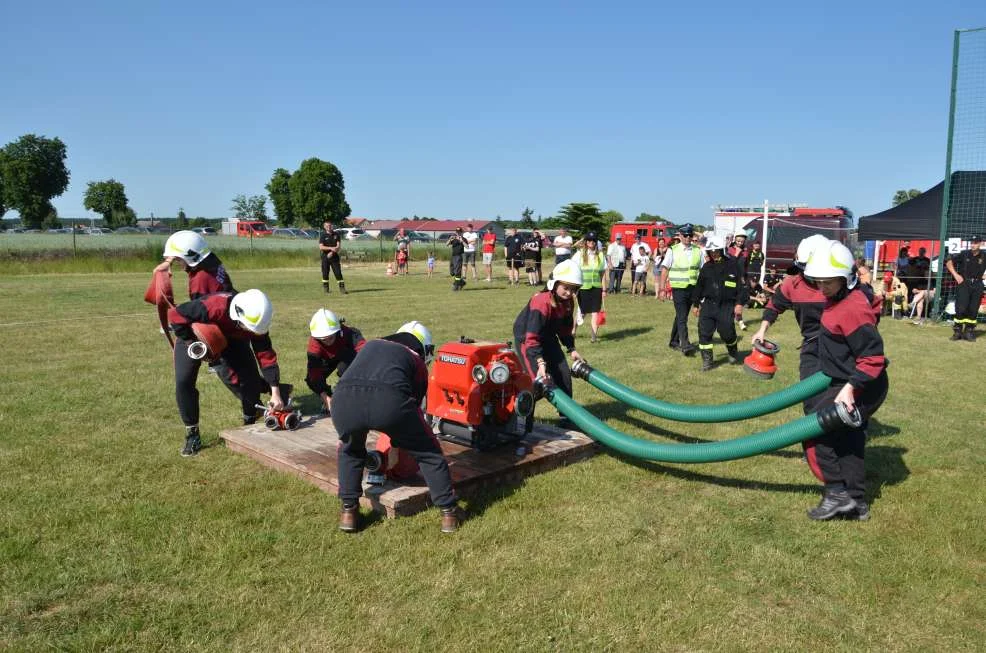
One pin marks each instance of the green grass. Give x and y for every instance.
(110, 540)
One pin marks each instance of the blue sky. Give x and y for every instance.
(477, 110)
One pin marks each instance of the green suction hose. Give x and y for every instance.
(809, 426)
(698, 413)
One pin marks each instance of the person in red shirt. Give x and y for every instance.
(244, 320)
(332, 347)
(206, 273)
(489, 248)
(850, 352)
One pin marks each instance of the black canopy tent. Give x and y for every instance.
(920, 218)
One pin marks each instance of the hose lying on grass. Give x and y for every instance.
(703, 413)
(809, 426)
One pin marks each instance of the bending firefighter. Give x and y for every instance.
(331, 348)
(243, 321)
(850, 351)
(545, 326)
(720, 294)
(382, 390)
(206, 273)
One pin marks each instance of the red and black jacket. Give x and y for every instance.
(208, 277)
(850, 348)
(806, 300)
(214, 309)
(540, 323)
(324, 359)
(388, 365)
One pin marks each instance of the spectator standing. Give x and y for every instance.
(513, 254)
(903, 262)
(660, 292)
(967, 269)
(592, 262)
(329, 246)
(458, 245)
(532, 252)
(470, 237)
(563, 246)
(538, 254)
(737, 248)
(489, 248)
(680, 269)
(639, 263)
(616, 256)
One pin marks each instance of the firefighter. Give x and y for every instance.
(680, 266)
(807, 301)
(382, 390)
(244, 320)
(206, 273)
(546, 325)
(850, 352)
(329, 245)
(967, 268)
(458, 245)
(332, 347)
(720, 294)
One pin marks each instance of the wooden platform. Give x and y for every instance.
(310, 453)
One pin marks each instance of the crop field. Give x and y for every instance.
(109, 540)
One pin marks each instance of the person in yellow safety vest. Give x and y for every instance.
(594, 268)
(679, 269)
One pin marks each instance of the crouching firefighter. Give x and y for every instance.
(331, 348)
(545, 326)
(382, 390)
(243, 320)
(850, 351)
(720, 295)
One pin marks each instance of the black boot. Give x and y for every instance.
(325, 287)
(193, 441)
(688, 349)
(970, 332)
(342, 288)
(706, 360)
(734, 357)
(956, 332)
(834, 502)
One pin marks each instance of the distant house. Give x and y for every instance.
(357, 222)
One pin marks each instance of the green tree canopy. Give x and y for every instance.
(582, 217)
(612, 217)
(250, 208)
(648, 217)
(318, 193)
(3, 205)
(107, 198)
(182, 221)
(527, 218)
(279, 189)
(33, 170)
(902, 196)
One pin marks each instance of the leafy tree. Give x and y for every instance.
(318, 193)
(613, 216)
(181, 222)
(33, 170)
(902, 196)
(3, 205)
(647, 217)
(527, 218)
(124, 217)
(107, 198)
(279, 189)
(199, 221)
(250, 208)
(50, 220)
(582, 217)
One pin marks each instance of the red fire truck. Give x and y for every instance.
(649, 232)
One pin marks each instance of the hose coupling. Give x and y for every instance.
(581, 369)
(838, 416)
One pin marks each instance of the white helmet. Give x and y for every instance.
(568, 271)
(324, 324)
(830, 260)
(252, 310)
(188, 246)
(420, 332)
(807, 246)
(713, 242)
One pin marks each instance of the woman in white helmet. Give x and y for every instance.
(331, 348)
(850, 351)
(719, 296)
(206, 273)
(382, 390)
(244, 320)
(544, 330)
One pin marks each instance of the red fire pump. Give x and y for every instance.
(479, 394)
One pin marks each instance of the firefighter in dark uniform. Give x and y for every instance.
(458, 245)
(545, 326)
(331, 348)
(244, 320)
(967, 269)
(206, 273)
(382, 390)
(720, 294)
(681, 264)
(329, 245)
(850, 351)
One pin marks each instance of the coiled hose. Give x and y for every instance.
(703, 413)
(810, 426)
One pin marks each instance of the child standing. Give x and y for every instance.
(431, 263)
(640, 261)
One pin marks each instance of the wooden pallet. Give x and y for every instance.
(309, 452)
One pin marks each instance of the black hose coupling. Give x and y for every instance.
(837, 416)
(542, 388)
(581, 369)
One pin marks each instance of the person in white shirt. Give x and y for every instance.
(616, 256)
(563, 246)
(640, 261)
(469, 252)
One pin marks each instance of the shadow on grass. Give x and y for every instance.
(721, 481)
(356, 291)
(877, 429)
(884, 467)
(623, 333)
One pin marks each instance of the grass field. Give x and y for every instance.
(109, 540)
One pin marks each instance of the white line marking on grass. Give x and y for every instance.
(73, 319)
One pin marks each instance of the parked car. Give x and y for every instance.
(310, 234)
(60, 230)
(98, 231)
(133, 230)
(205, 231)
(287, 232)
(419, 237)
(352, 233)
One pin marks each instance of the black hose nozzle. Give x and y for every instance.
(374, 461)
(838, 416)
(542, 388)
(581, 369)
